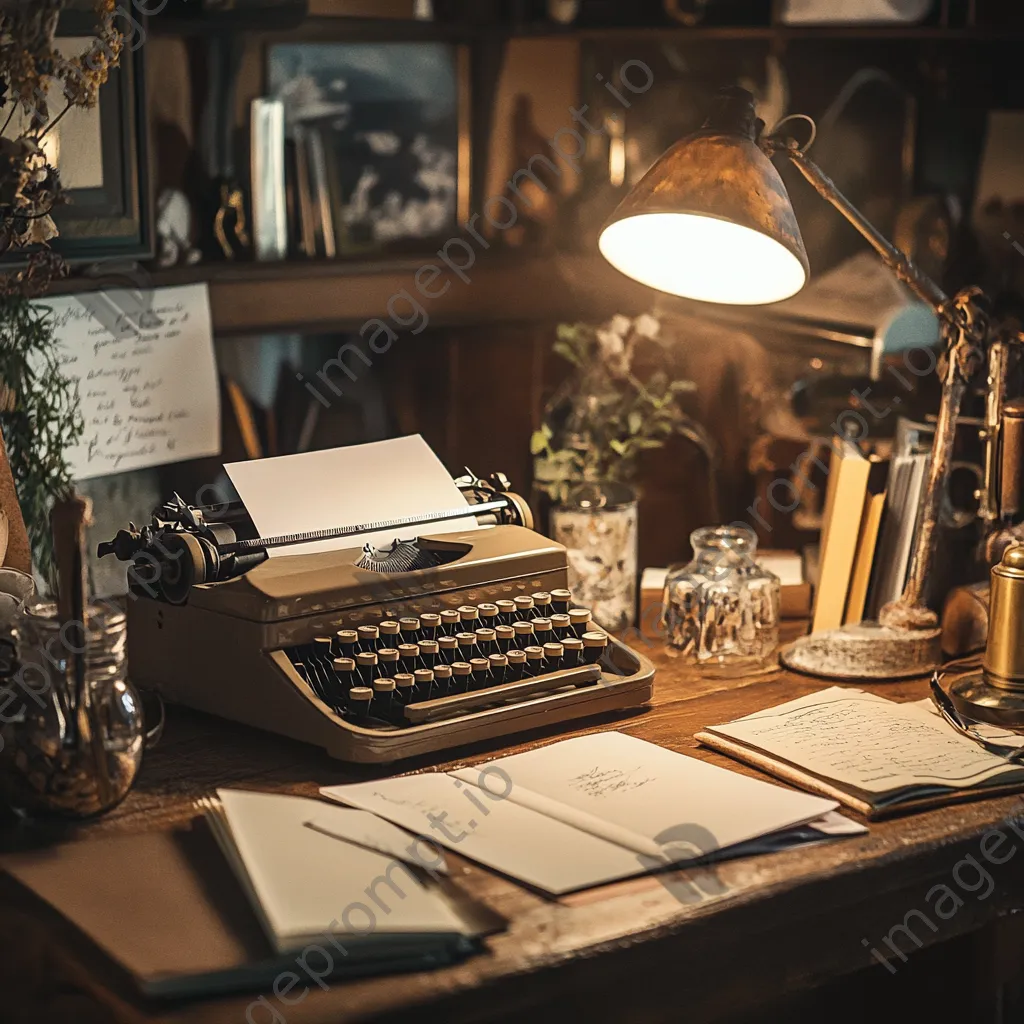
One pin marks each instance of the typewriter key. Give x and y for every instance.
(524, 608)
(572, 652)
(552, 657)
(428, 653)
(369, 639)
(523, 632)
(506, 636)
(430, 625)
(542, 603)
(469, 615)
(506, 611)
(579, 619)
(409, 657)
(447, 649)
(488, 615)
(543, 630)
(481, 677)
(516, 665)
(346, 643)
(534, 660)
(441, 686)
(345, 673)
(384, 699)
(562, 626)
(410, 629)
(461, 672)
(405, 693)
(367, 667)
(594, 645)
(450, 620)
(486, 642)
(423, 678)
(467, 646)
(561, 601)
(499, 669)
(360, 698)
(387, 658)
(389, 630)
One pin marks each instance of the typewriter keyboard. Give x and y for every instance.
(415, 670)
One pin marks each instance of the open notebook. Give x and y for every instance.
(181, 919)
(595, 809)
(874, 755)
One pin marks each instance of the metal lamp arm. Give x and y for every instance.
(901, 264)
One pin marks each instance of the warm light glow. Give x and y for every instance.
(702, 258)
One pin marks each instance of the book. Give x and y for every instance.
(867, 541)
(269, 201)
(908, 475)
(321, 190)
(308, 220)
(182, 919)
(844, 508)
(595, 809)
(877, 756)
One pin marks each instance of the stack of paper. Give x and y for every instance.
(595, 809)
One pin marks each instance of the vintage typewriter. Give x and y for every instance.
(374, 654)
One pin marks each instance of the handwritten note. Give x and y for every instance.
(862, 740)
(146, 374)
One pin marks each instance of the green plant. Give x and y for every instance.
(39, 416)
(604, 416)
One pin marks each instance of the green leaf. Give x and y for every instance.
(539, 440)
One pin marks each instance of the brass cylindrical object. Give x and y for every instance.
(1004, 655)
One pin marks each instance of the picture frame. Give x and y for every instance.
(109, 216)
(379, 155)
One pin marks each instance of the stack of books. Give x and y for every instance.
(871, 518)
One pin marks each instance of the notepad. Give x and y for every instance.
(874, 755)
(303, 882)
(595, 809)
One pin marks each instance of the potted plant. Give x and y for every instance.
(587, 454)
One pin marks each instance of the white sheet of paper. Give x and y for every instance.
(305, 881)
(636, 793)
(366, 829)
(146, 373)
(862, 740)
(539, 851)
(362, 483)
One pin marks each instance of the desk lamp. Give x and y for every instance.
(712, 221)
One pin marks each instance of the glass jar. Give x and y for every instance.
(598, 526)
(61, 751)
(721, 611)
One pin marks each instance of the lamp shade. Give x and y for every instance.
(711, 220)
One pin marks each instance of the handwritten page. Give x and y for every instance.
(362, 483)
(595, 809)
(864, 741)
(636, 793)
(514, 840)
(146, 373)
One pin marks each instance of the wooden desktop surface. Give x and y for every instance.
(779, 922)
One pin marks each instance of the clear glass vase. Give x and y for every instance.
(598, 526)
(68, 750)
(721, 611)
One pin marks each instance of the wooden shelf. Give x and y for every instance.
(321, 296)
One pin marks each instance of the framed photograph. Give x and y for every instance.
(103, 158)
(378, 143)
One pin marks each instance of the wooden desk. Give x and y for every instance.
(630, 951)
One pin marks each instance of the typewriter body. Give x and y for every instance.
(222, 628)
